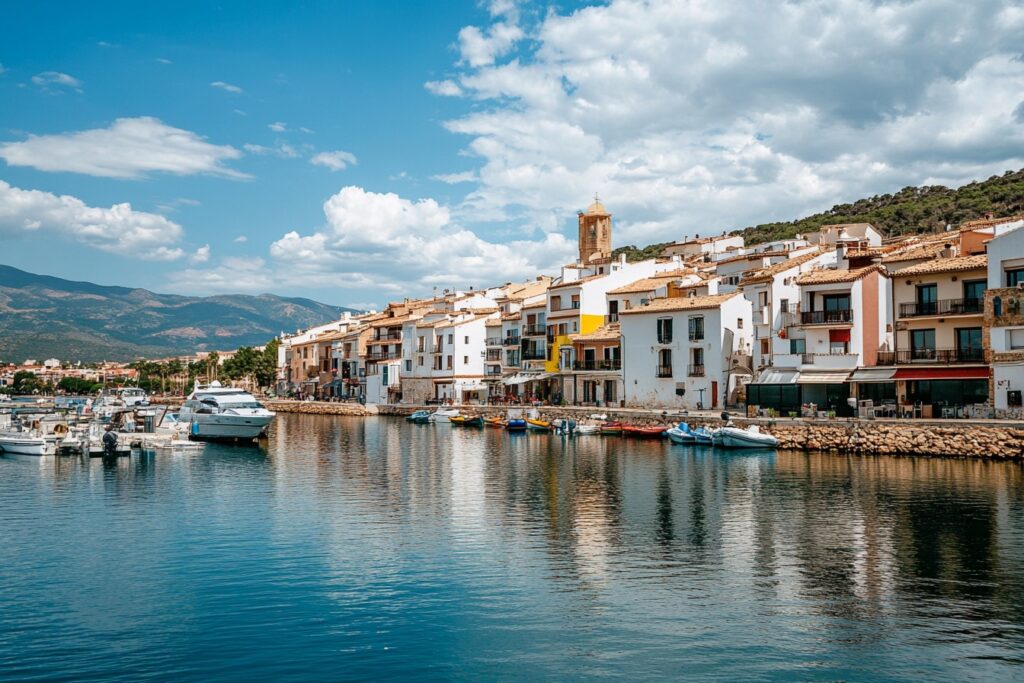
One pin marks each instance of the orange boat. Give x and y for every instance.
(612, 428)
(494, 422)
(639, 432)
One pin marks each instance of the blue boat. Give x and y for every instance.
(682, 434)
(703, 436)
(419, 417)
(516, 425)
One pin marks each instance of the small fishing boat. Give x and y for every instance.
(703, 436)
(682, 434)
(638, 432)
(751, 437)
(26, 443)
(494, 422)
(538, 425)
(466, 421)
(443, 415)
(611, 429)
(419, 417)
(586, 430)
(516, 425)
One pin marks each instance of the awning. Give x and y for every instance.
(524, 377)
(823, 376)
(868, 375)
(443, 380)
(942, 373)
(778, 376)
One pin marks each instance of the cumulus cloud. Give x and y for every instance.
(129, 148)
(387, 244)
(55, 81)
(118, 229)
(697, 116)
(278, 126)
(336, 161)
(446, 88)
(201, 255)
(227, 87)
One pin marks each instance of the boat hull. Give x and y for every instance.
(28, 446)
(678, 436)
(643, 432)
(728, 437)
(516, 425)
(228, 427)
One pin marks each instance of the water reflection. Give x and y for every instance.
(376, 546)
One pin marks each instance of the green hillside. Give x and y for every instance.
(910, 211)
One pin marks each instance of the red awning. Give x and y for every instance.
(941, 373)
(839, 335)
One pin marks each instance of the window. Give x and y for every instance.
(974, 294)
(448, 362)
(664, 363)
(927, 299)
(419, 361)
(451, 338)
(610, 385)
(574, 326)
(575, 300)
(408, 366)
(764, 347)
(1015, 338)
(698, 356)
(556, 303)
(696, 328)
(739, 323)
(968, 345)
(836, 302)
(465, 360)
(665, 331)
(1014, 277)
(922, 344)
(466, 340)
(783, 305)
(421, 344)
(798, 346)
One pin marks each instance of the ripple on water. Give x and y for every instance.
(351, 549)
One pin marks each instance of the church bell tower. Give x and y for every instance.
(595, 233)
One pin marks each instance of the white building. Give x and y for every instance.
(1004, 318)
(684, 352)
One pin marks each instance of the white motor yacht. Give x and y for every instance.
(219, 412)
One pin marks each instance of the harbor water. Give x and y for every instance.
(373, 549)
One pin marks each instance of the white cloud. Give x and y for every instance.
(129, 148)
(336, 161)
(164, 61)
(201, 255)
(53, 81)
(278, 126)
(281, 149)
(104, 43)
(230, 275)
(456, 178)
(690, 116)
(3, 69)
(233, 89)
(446, 88)
(241, 239)
(119, 229)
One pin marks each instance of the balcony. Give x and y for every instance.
(830, 361)
(395, 335)
(534, 354)
(695, 371)
(383, 355)
(664, 338)
(492, 372)
(931, 356)
(664, 371)
(510, 341)
(493, 356)
(611, 318)
(838, 317)
(943, 307)
(604, 364)
(697, 336)
(493, 341)
(535, 330)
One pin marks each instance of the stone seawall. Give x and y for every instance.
(859, 437)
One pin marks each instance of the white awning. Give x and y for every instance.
(778, 376)
(524, 377)
(823, 376)
(865, 375)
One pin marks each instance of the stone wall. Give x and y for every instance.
(320, 408)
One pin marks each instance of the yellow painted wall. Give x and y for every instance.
(588, 324)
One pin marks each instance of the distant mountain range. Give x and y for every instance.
(47, 317)
(912, 210)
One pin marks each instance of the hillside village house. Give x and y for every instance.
(924, 325)
(688, 352)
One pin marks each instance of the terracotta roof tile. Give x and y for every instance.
(828, 276)
(765, 274)
(609, 332)
(947, 265)
(649, 284)
(684, 303)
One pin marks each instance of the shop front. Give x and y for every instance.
(941, 392)
(776, 392)
(826, 391)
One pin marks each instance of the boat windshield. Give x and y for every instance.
(231, 400)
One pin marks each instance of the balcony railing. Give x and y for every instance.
(534, 354)
(493, 341)
(695, 371)
(492, 372)
(943, 307)
(535, 330)
(383, 355)
(664, 371)
(937, 356)
(611, 318)
(393, 336)
(602, 364)
(665, 338)
(510, 341)
(844, 315)
(697, 336)
(493, 355)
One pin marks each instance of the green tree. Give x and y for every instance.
(27, 383)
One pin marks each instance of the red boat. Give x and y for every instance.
(612, 428)
(643, 432)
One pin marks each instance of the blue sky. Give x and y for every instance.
(354, 152)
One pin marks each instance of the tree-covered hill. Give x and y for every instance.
(912, 210)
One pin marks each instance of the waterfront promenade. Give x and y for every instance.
(883, 436)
